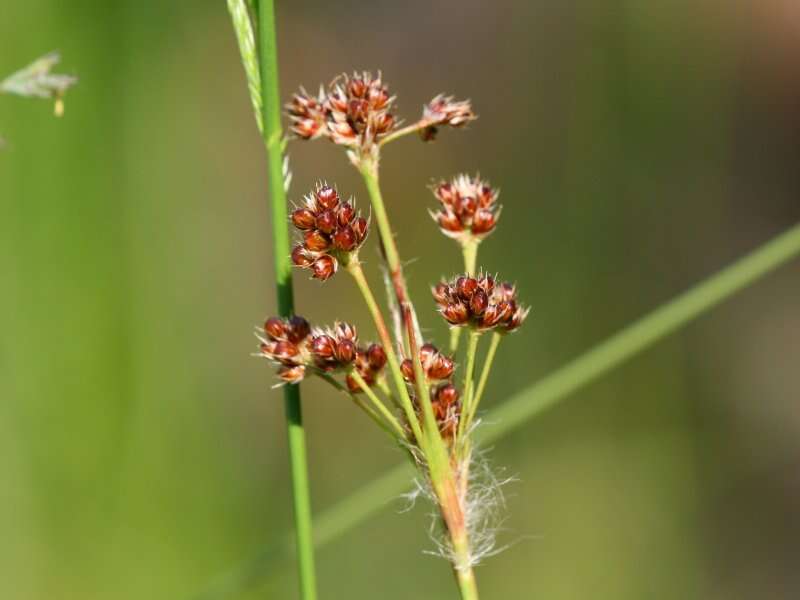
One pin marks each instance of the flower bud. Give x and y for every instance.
(275, 328)
(303, 218)
(345, 239)
(478, 302)
(359, 226)
(301, 257)
(315, 241)
(327, 197)
(456, 313)
(407, 369)
(324, 267)
(345, 350)
(376, 356)
(468, 210)
(326, 221)
(323, 347)
(345, 213)
(298, 329)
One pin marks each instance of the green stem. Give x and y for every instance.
(487, 367)
(378, 405)
(467, 409)
(466, 584)
(354, 268)
(271, 118)
(469, 252)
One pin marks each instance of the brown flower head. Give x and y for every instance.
(481, 303)
(445, 110)
(307, 115)
(331, 231)
(437, 366)
(356, 111)
(468, 208)
(285, 343)
(337, 349)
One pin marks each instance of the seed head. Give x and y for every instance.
(437, 366)
(331, 229)
(468, 208)
(445, 110)
(354, 111)
(307, 115)
(480, 303)
(285, 342)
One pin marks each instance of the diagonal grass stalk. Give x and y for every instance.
(535, 399)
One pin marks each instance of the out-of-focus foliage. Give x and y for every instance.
(639, 146)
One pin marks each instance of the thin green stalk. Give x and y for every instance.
(487, 367)
(272, 133)
(379, 406)
(467, 584)
(467, 409)
(469, 252)
(354, 268)
(359, 402)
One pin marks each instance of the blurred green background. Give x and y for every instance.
(640, 146)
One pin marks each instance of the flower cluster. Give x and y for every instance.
(285, 342)
(331, 230)
(438, 370)
(297, 348)
(445, 110)
(481, 303)
(468, 208)
(356, 111)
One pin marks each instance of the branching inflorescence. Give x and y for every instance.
(405, 384)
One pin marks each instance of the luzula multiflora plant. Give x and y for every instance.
(417, 393)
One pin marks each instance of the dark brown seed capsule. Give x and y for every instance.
(359, 226)
(298, 329)
(345, 213)
(323, 347)
(478, 302)
(456, 313)
(376, 356)
(449, 221)
(345, 239)
(345, 351)
(466, 286)
(441, 293)
(327, 197)
(441, 367)
(301, 257)
(285, 351)
(315, 241)
(302, 218)
(407, 368)
(446, 394)
(275, 328)
(324, 267)
(326, 221)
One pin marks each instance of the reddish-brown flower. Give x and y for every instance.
(468, 208)
(445, 110)
(481, 303)
(285, 342)
(330, 228)
(337, 349)
(307, 115)
(437, 366)
(355, 111)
